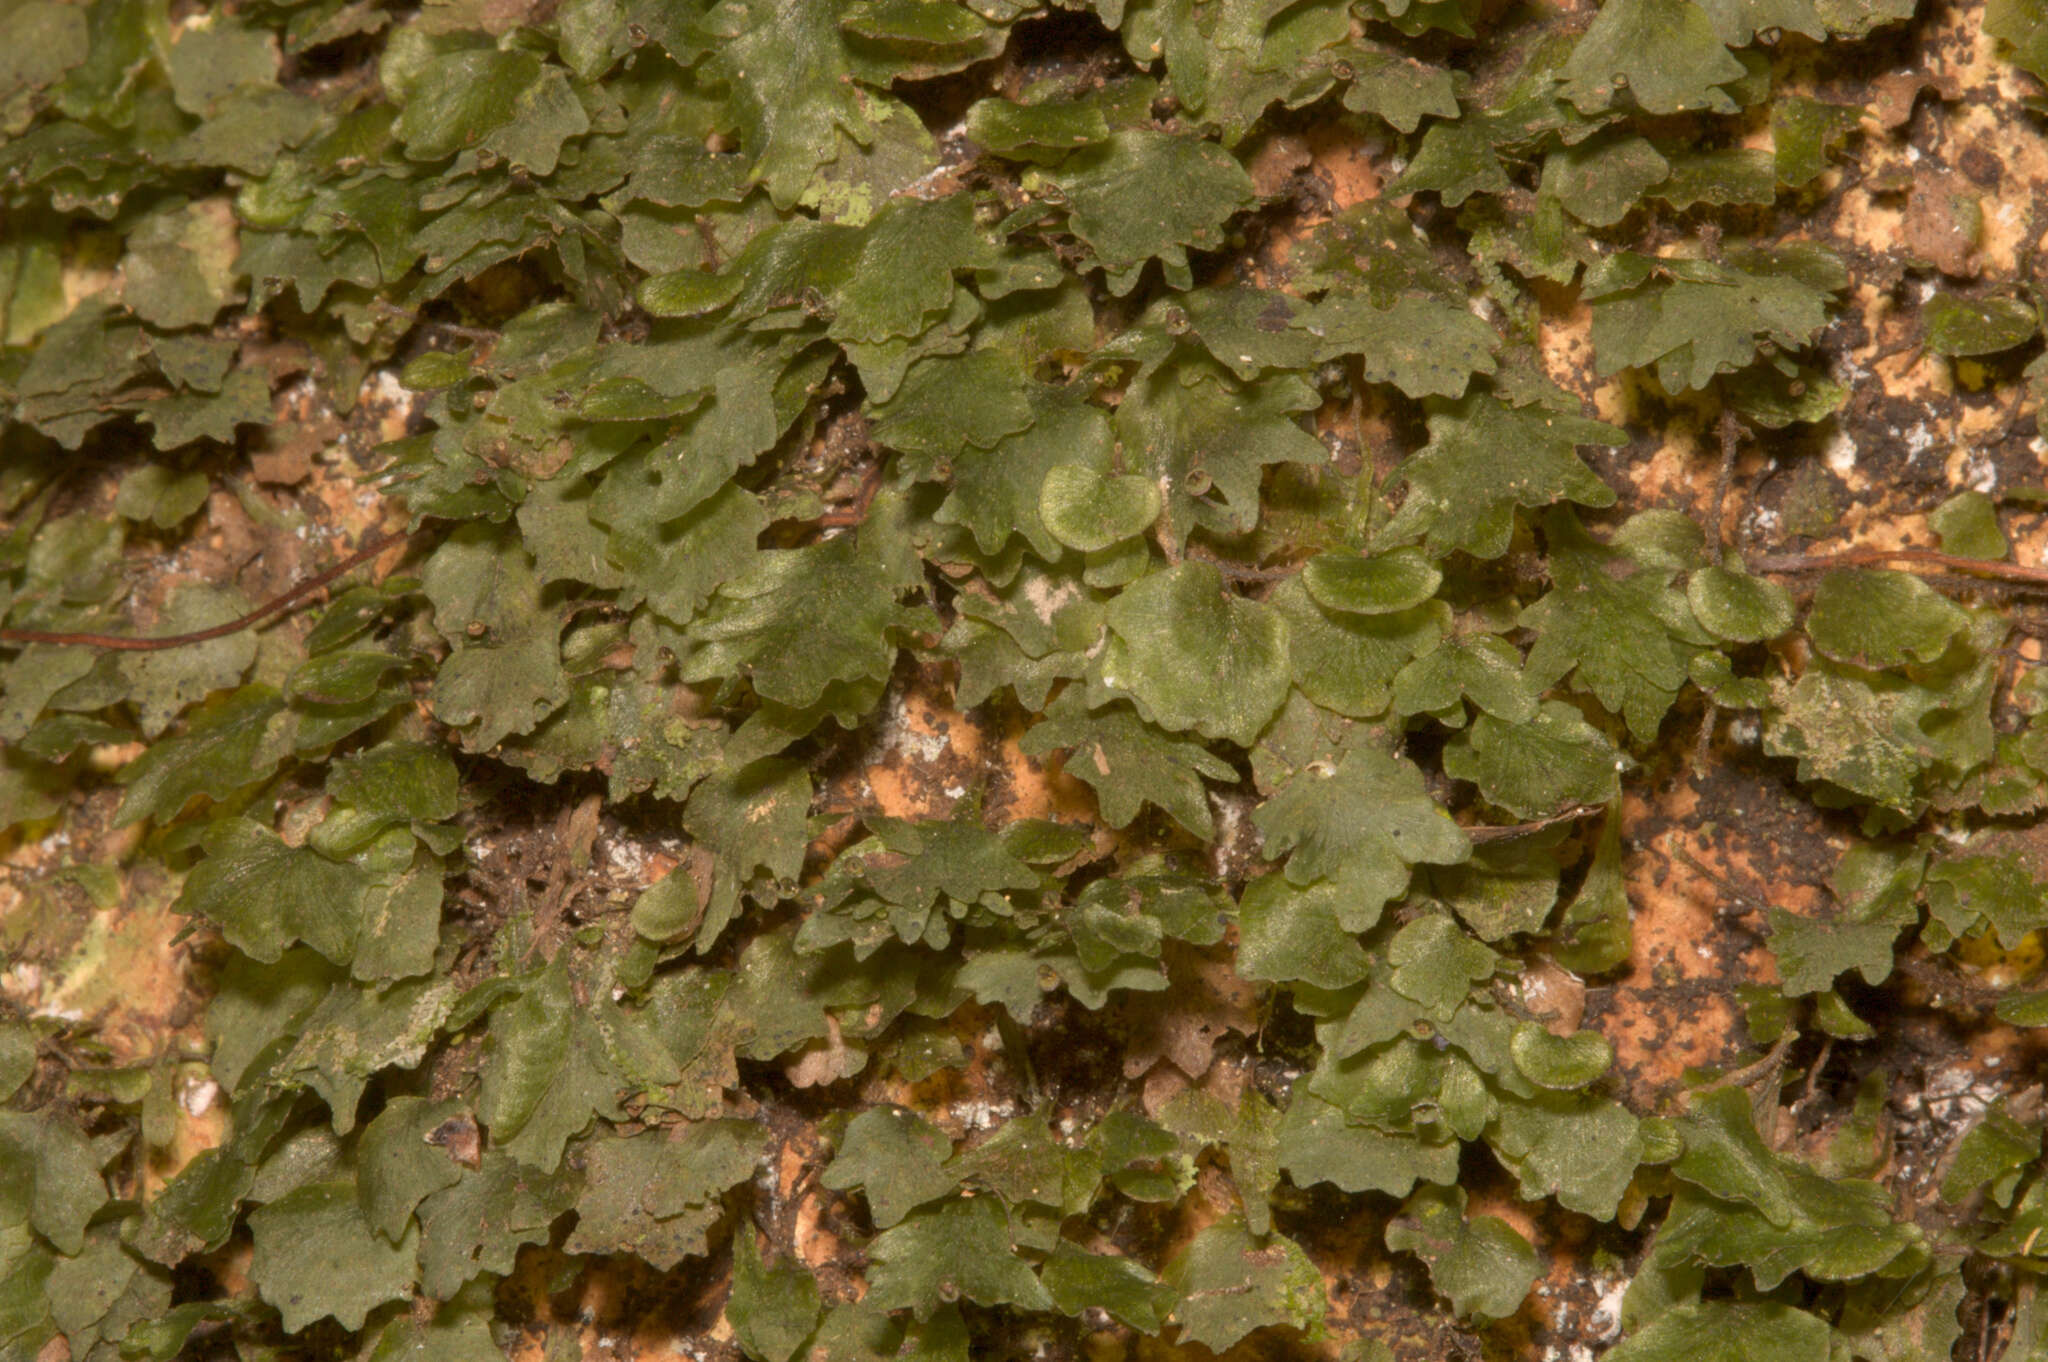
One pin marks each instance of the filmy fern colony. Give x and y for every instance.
(778, 357)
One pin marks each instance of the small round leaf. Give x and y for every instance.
(1881, 618)
(1560, 1062)
(669, 910)
(347, 677)
(2024, 1009)
(1968, 525)
(689, 293)
(1380, 585)
(1658, 538)
(435, 369)
(1191, 657)
(163, 495)
(17, 1058)
(1090, 511)
(1977, 326)
(1738, 607)
(1662, 1142)
(1007, 128)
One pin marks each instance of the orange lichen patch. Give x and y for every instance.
(1896, 362)
(2010, 231)
(1906, 372)
(303, 421)
(1657, 1038)
(1737, 864)
(89, 942)
(791, 1161)
(2029, 545)
(1978, 425)
(1033, 787)
(1541, 1312)
(1274, 161)
(1866, 221)
(385, 405)
(122, 975)
(1682, 468)
(1887, 329)
(925, 756)
(1553, 995)
(1675, 1006)
(1564, 343)
(1578, 1296)
(1943, 221)
(1679, 930)
(2008, 1050)
(1896, 531)
(1963, 56)
(961, 1100)
(1343, 159)
(619, 1309)
(1348, 160)
(816, 1245)
(202, 1125)
(1501, 1204)
(341, 514)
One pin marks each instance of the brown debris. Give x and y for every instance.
(1943, 221)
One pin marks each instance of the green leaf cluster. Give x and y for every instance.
(764, 367)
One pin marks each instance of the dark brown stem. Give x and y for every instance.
(855, 511)
(1948, 562)
(1949, 986)
(1806, 1094)
(1731, 431)
(476, 335)
(1748, 902)
(274, 606)
(1488, 833)
(1239, 572)
(713, 257)
(1911, 343)
(1367, 457)
(1763, 1069)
